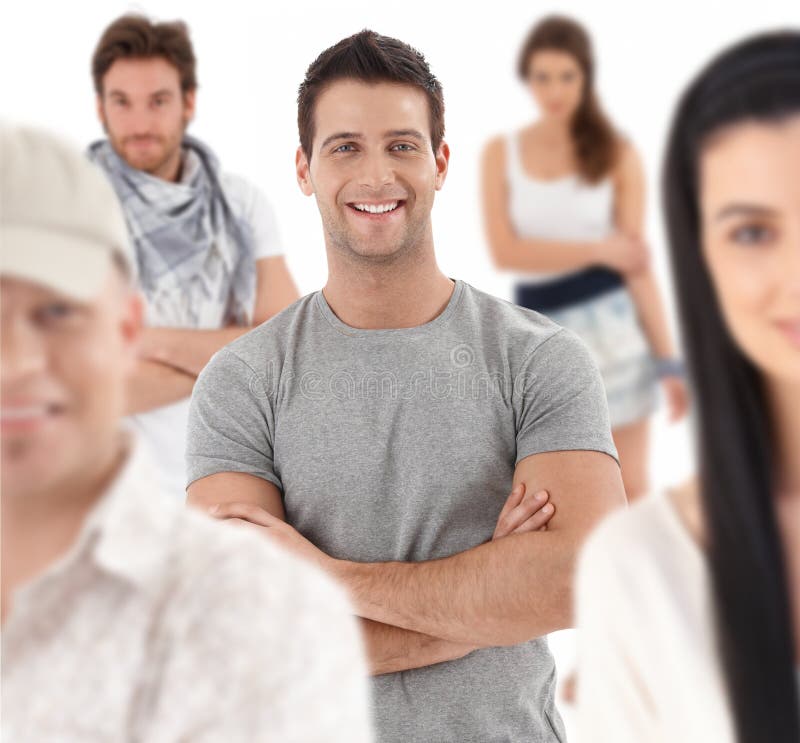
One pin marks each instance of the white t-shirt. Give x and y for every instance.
(164, 429)
(647, 663)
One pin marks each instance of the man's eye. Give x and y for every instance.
(752, 234)
(403, 147)
(58, 312)
(57, 309)
(344, 148)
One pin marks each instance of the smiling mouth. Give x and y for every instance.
(376, 210)
(18, 418)
(791, 330)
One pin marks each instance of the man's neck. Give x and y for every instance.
(40, 526)
(172, 169)
(405, 293)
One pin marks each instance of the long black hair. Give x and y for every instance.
(755, 80)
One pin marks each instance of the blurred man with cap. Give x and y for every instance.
(126, 616)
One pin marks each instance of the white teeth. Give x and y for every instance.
(376, 208)
(15, 414)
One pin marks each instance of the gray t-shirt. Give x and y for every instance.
(401, 445)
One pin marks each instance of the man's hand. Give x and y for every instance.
(276, 529)
(524, 512)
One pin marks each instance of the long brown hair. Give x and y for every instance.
(595, 140)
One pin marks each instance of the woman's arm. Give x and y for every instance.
(642, 285)
(510, 252)
(629, 200)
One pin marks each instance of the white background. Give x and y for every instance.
(252, 56)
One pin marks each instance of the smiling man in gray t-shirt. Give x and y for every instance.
(376, 426)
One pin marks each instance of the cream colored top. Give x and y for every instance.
(161, 625)
(648, 670)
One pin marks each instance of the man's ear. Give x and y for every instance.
(303, 170)
(101, 114)
(132, 319)
(442, 156)
(189, 104)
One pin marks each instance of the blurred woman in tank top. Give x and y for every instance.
(564, 210)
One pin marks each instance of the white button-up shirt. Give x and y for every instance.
(162, 625)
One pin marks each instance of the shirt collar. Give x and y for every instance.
(129, 531)
(126, 535)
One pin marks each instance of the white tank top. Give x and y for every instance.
(567, 209)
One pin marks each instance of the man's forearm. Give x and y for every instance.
(188, 350)
(499, 593)
(391, 649)
(153, 385)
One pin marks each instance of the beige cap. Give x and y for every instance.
(60, 219)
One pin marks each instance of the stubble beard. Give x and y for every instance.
(170, 146)
(344, 242)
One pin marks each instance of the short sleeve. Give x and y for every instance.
(231, 422)
(558, 400)
(250, 203)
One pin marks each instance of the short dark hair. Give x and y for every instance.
(137, 37)
(371, 58)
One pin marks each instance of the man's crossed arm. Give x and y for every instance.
(506, 591)
(171, 358)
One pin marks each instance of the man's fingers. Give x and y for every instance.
(538, 521)
(531, 504)
(247, 511)
(513, 500)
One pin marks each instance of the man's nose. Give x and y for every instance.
(378, 171)
(140, 121)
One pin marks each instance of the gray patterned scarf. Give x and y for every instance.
(178, 229)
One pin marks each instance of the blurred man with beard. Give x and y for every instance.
(208, 257)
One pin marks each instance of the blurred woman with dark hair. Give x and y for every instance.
(564, 209)
(689, 604)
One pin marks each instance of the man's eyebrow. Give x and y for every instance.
(413, 133)
(743, 210)
(340, 135)
(123, 94)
